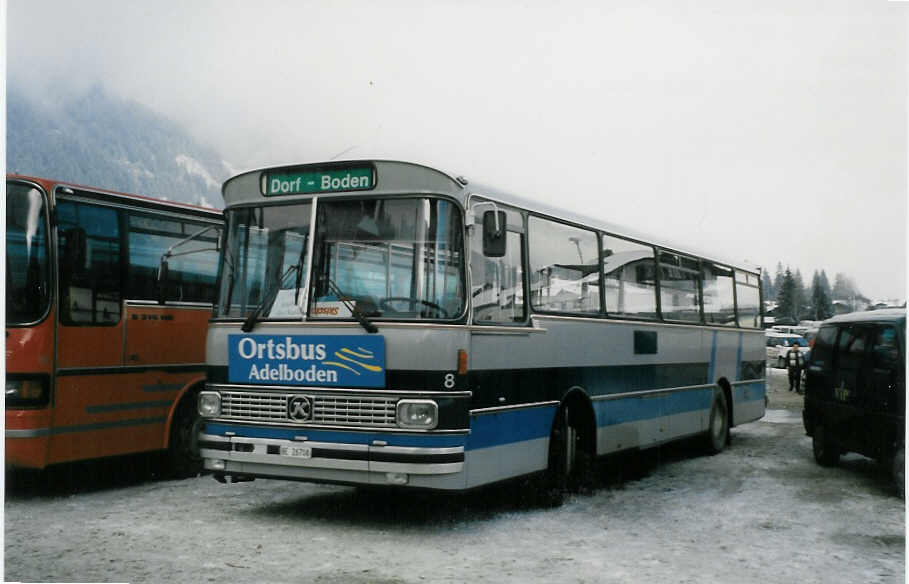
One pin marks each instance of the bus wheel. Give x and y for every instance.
(183, 454)
(718, 429)
(826, 452)
(780, 364)
(899, 471)
(569, 464)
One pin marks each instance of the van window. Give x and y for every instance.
(822, 352)
(885, 351)
(850, 352)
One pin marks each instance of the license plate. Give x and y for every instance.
(297, 451)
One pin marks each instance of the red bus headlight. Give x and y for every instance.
(27, 391)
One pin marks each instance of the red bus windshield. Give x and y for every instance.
(27, 266)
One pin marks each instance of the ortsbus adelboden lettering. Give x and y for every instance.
(248, 348)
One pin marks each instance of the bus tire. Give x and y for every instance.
(826, 453)
(717, 436)
(183, 458)
(569, 467)
(780, 364)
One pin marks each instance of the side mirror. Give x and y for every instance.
(162, 281)
(494, 234)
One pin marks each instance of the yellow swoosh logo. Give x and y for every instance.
(367, 355)
(363, 365)
(336, 364)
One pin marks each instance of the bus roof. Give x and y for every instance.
(395, 176)
(50, 184)
(544, 209)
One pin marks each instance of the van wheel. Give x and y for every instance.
(718, 429)
(899, 471)
(826, 453)
(183, 455)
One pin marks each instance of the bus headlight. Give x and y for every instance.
(26, 391)
(209, 404)
(418, 413)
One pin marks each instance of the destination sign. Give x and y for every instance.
(303, 182)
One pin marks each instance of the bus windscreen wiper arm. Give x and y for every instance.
(352, 306)
(268, 300)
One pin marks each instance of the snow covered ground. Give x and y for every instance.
(762, 512)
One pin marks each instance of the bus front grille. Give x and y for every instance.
(330, 410)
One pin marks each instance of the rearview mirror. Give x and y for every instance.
(163, 271)
(494, 234)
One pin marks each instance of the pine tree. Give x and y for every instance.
(785, 298)
(821, 306)
(801, 295)
(825, 285)
(778, 279)
(767, 285)
(842, 287)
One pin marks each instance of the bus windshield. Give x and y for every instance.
(385, 258)
(27, 267)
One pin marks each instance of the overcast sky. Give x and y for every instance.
(768, 131)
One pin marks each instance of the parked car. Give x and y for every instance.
(789, 329)
(779, 343)
(855, 391)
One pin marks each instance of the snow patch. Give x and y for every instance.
(135, 168)
(782, 417)
(231, 170)
(193, 166)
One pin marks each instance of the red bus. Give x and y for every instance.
(104, 357)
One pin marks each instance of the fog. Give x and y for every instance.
(768, 132)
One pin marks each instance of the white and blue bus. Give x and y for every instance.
(385, 323)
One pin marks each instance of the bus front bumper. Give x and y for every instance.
(360, 458)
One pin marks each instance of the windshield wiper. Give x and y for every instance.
(358, 314)
(270, 296)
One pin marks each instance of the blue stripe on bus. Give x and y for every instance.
(638, 408)
(510, 426)
(748, 392)
(712, 367)
(365, 438)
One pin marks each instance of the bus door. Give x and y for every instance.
(90, 332)
(166, 321)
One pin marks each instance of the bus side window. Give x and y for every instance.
(630, 278)
(90, 266)
(679, 287)
(191, 274)
(748, 299)
(719, 299)
(497, 288)
(564, 267)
